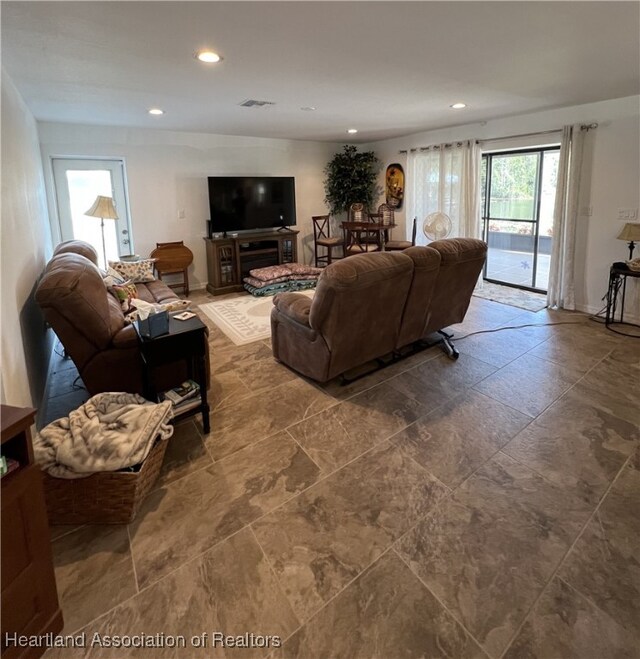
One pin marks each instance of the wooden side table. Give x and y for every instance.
(29, 595)
(186, 340)
(173, 259)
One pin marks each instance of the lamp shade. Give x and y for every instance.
(103, 208)
(630, 231)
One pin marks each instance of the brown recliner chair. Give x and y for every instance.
(372, 305)
(461, 262)
(415, 315)
(354, 316)
(90, 324)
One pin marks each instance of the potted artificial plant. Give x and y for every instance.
(351, 177)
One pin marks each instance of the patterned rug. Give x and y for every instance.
(244, 319)
(515, 297)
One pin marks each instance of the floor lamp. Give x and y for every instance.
(104, 209)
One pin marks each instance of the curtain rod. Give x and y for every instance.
(506, 137)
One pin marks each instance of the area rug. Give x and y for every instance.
(515, 297)
(244, 319)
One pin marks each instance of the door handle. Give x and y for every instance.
(125, 232)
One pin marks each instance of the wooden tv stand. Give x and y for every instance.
(230, 259)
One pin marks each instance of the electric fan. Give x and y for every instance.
(437, 225)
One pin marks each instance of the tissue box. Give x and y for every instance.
(155, 325)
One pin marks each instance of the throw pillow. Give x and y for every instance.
(112, 277)
(125, 294)
(136, 271)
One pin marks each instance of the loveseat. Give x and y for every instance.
(371, 305)
(90, 323)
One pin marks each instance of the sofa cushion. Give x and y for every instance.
(426, 265)
(294, 305)
(156, 292)
(461, 262)
(460, 250)
(358, 306)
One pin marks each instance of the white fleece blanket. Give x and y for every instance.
(109, 432)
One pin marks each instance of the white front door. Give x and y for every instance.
(78, 182)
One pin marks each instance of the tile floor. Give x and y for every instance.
(481, 508)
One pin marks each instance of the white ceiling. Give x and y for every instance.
(386, 68)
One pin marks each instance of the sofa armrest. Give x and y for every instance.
(294, 306)
(125, 338)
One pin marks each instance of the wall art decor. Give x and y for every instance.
(394, 186)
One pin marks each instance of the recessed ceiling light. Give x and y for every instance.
(308, 108)
(458, 106)
(352, 131)
(208, 56)
(156, 111)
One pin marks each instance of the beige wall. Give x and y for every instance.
(167, 173)
(26, 245)
(611, 173)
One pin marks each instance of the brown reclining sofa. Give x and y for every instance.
(90, 323)
(371, 305)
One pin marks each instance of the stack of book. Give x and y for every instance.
(184, 397)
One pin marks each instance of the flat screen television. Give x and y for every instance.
(240, 203)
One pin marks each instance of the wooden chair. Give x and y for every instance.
(358, 239)
(173, 259)
(322, 238)
(399, 245)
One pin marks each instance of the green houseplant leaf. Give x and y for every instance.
(351, 177)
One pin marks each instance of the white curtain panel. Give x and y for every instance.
(446, 178)
(561, 290)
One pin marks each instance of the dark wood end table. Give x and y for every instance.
(186, 340)
(616, 294)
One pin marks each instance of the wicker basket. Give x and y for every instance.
(110, 497)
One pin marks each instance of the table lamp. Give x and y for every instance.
(631, 232)
(104, 209)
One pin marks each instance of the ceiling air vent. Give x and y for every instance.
(252, 103)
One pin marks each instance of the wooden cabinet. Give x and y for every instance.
(230, 259)
(222, 272)
(29, 596)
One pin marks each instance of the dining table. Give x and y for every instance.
(359, 234)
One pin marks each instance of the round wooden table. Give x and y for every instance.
(173, 259)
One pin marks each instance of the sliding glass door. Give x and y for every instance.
(518, 196)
